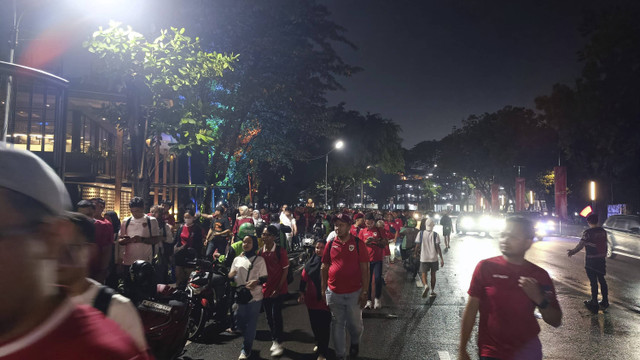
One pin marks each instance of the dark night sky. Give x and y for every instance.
(430, 64)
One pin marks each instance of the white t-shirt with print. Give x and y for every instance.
(138, 251)
(121, 310)
(241, 265)
(428, 251)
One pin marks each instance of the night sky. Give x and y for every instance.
(430, 64)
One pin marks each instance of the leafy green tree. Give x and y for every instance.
(166, 82)
(278, 89)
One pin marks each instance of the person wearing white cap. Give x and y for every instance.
(37, 320)
(428, 246)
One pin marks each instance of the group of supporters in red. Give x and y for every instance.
(53, 263)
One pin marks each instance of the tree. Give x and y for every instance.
(278, 89)
(487, 147)
(166, 82)
(597, 117)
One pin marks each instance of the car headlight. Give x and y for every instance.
(551, 225)
(467, 222)
(498, 224)
(436, 216)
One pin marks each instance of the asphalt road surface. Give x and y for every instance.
(410, 327)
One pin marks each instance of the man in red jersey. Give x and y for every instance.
(506, 290)
(376, 243)
(358, 225)
(345, 292)
(37, 320)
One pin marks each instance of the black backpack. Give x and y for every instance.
(103, 299)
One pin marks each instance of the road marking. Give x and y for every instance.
(444, 355)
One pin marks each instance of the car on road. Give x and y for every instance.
(623, 235)
(544, 225)
(479, 223)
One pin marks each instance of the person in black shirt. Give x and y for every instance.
(447, 225)
(218, 233)
(594, 240)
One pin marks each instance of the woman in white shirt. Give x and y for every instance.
(249, 263)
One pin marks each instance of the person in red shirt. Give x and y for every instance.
(311, 295)
(187, 246)
(103, 240)
(345, 292)
(506, 290)
(37, 319)
(358, 225)
(376, 243)
(276, 287)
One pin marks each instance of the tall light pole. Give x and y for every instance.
(13, 42)
(337, 146)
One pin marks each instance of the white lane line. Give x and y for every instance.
(444, 355)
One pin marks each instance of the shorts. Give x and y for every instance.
(446, 231)
(426, 266)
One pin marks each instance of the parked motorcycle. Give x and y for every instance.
(209, 294)
(164, 311)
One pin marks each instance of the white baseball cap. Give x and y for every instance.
(429, 224)
(24, 172)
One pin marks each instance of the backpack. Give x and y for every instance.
(154, 260)
(103, 299)
(279, 256)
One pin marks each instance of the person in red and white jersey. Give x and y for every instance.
(37, 319)
(345, 280)
(506, 291)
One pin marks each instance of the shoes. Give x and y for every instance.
(603, 305)
(274, 345)
(425, 292)
(368, 305)
(354, 350)
(377, 304)
(243, 356)
(315, 349)
(320, 357)
(278, 350)
(592, 306)
(433, 294)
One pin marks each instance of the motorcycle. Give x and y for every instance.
(164, 311)
(308, 241)
(209, 294)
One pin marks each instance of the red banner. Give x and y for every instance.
(479, 202)
(495, 198)
(560, 177)
(520, 194)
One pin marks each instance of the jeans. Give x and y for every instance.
(212, 246)
(273, 310)
(345, 315)
(375, 269)
(596, 273)
(321, 325)
(247, 317)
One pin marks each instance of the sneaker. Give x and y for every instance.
(377, 304)
(354, 350)
(274, 345)
(243, 356)
(592, 306)
(278, 351)
(425, 292)
(368, 305)
(433, 294)
(320, 357)
(315, 349)
(603, 305)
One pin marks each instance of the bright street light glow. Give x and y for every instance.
(339, 144)
(592, 187)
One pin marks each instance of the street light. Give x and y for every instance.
(592, 190)
(337, 146)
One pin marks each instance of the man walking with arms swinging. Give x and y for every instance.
(345, 280)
